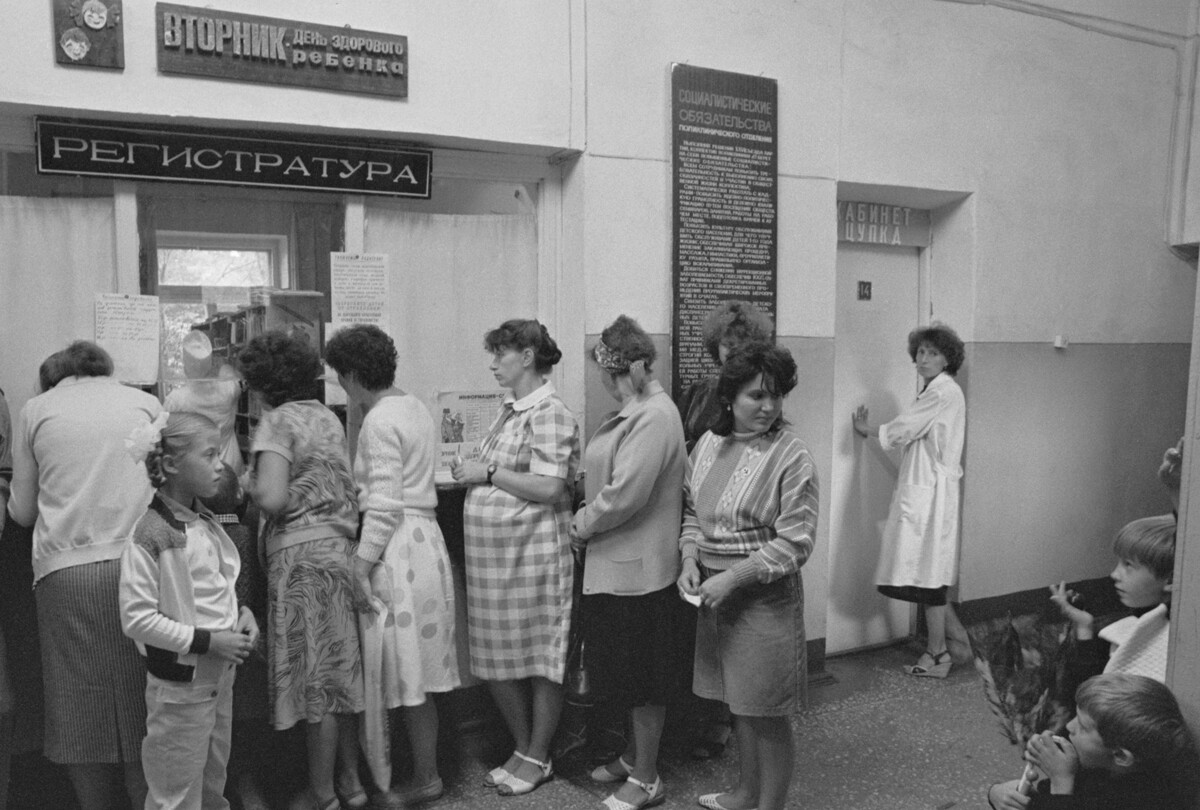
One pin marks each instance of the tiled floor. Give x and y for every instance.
(872, 739)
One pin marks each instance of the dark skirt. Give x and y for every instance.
(95, 680)
(628, 652)
(912, 593)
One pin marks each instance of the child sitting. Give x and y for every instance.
(1129, 747)
(178, 604)
(1137, 644)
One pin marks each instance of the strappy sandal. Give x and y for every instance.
(930, 665)
(496, 775)
(655, 795)
(514, 785)
(604, 775)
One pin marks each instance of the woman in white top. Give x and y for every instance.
(918, 559)
(401, 567)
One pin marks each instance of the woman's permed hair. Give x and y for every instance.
(81, 359)
(627, 338)
(942, 338)
(366, 352)
(521, 334)
(1149, 541)
(743, 364)
(181, 430)
(734, 323)
(280, 367)
(1141, 715)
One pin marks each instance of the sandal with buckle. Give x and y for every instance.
(603, 774)
(930, 665)
(514, 785)
(496, 775)
(655, 795)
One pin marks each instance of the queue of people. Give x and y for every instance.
(691, 534)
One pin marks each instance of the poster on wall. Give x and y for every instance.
(127, 327)
(463, 419)
(358, 289)
(724, 162)
(89, 33)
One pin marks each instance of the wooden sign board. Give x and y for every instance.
(244, 47)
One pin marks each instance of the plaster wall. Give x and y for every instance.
(477, 71)
(1050, 148)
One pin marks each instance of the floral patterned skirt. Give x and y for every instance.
(313, 661)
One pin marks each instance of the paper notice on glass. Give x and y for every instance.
(463, 419)
(334, 393)
(358, 285)
(127, 327)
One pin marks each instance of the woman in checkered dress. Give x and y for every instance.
(518, 552)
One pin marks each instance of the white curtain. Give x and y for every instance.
(55, 255)
(452, 278)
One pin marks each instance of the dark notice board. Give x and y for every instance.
(725, 163)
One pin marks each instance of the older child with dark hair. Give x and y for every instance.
(1129, 748)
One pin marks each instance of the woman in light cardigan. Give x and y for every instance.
(630, 528)
(750, 518)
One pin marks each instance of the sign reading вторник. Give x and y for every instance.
(244, 47)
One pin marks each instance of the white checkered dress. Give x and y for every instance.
(518, 553)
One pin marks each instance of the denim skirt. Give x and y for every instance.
(750, 652)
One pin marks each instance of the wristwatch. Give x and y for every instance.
(492, 471)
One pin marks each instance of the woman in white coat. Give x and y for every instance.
(918, 559)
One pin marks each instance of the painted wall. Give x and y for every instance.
(477, 71)
(1055, 144)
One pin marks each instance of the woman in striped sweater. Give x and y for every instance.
(750, 517)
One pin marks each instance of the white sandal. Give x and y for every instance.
(655, 795)
(498, 774)
(602, 774)
(516, 786)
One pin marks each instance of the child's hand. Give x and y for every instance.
(1055, 757)
(229, 645)
(1005, 796)
(1065, 599)
(248, 625)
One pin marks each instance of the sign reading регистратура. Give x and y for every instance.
(243, 47)
(190, 155)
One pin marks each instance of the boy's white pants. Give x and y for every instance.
(187, 739)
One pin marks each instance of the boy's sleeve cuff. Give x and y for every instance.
(200, 641)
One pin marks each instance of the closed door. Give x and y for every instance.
(877, 306)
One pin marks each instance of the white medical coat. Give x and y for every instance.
(920, 538)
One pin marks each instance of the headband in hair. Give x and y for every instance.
(609, 360)
(145, 438)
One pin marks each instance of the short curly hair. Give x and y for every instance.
(743, 364)
(280, 367)
(733, 323)
(81, 359)
(521, 334)
(942, 338)
(365, 352)
(627, 338)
